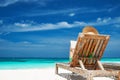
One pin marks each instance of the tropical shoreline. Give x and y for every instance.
(40, 74)
(43, 74)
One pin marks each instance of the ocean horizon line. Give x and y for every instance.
(43, 57)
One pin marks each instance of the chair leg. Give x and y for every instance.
(89, 77)
(119, 75)
(56, 69)
(100, 65)
(73, 73)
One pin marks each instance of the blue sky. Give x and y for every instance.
(44, 28)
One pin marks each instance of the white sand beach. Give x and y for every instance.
(41, 74)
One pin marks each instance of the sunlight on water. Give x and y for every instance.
(40, 63)
(28, 63)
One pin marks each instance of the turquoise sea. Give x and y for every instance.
(40, 63)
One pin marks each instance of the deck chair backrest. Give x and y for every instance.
(89, 49)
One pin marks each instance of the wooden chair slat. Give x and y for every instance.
(86, 47)
(95, 36)
(99, 47)
(104, 46)
(92, 49)
(75, 56)
(96, 47)
(88, 50)
(80, 51)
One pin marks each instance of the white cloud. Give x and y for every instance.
(113, 8)
(24, 45)
(105, 20)
(4, 33)
(5, 3)
(1, 21)
(72, 14)
(36, 27)
(25, 42)
(0, 33)
(65, 11)
(79, 23)
(52, 12)
(22, 24)
(99, 19)
(117, 25)
(27, 45)
(23, 27)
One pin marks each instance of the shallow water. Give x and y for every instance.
(40, 63)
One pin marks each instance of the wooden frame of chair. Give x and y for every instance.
(88, 51)
(88, 74)
(89, 46)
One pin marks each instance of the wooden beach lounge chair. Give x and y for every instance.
(86, 55)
